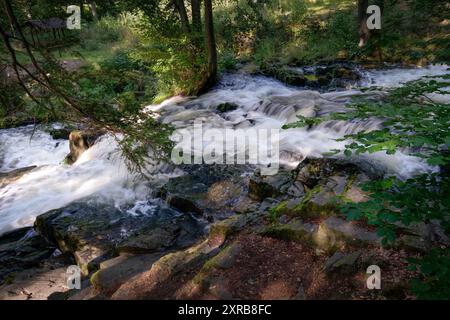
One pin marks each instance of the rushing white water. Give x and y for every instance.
(263, 103)
(395, 77)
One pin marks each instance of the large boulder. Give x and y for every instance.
(164, 271)
(208, 191)
(94, 232)
(79, 142)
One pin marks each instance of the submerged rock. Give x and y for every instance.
(8, 177)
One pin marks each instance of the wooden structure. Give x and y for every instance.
(36, 27)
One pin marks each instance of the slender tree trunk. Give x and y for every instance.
(181, 8)
(196, 15)
(210, 45)
(93, 8)
(362, 22)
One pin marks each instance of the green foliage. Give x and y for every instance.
(434, 282)
(410, 121)
(392, 201)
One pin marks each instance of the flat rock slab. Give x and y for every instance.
(114, 272)
(94, 232)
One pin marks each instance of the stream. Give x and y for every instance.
(263, 103)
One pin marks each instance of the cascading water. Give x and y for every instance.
(263, 103)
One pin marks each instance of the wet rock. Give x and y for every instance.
(259, 190)
(22, 249)
(93, 232)
(57, 134)
(208, 190)
(284, 74)
(311, 171)
(8, 177)
(296, 189)
(342, 263)
(227, 106)
(79, 142)
(183, 204)
(262, 187)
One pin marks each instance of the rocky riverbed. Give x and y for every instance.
(203, 231)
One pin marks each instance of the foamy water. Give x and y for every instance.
(263, 103)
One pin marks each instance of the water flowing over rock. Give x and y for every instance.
(79, 142)
(138, 239)
(8, 177)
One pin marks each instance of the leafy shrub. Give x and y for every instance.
(411, 121)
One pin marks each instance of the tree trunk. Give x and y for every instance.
(210, 46)
(181, 8)
(196, 16)
(362, 22)
(93, 8)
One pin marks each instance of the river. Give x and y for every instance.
(101, 173)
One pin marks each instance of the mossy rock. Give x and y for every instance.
(227, 107)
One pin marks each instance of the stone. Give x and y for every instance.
(183, 204)
(231, 225)
(296, 189)
(142, 285)
(413, 243)
(227, 106)
(342, 263)
(10, 176)
(218, 289)
(295, 230)
(345, 230)
(116, 271)
(208, 191)
(79, 142)
(301, 295)
(259, 190)
(262, 187)
(226, 258)
(20, 250)
(93, 232)
(62, 133)
(245, 205)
